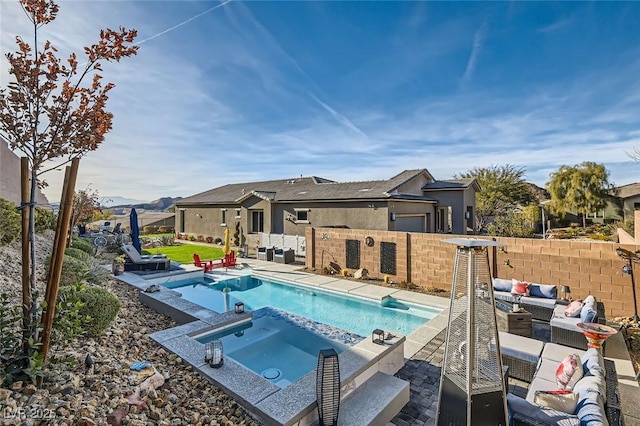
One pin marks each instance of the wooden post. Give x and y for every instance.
(25, 176)
(54, 250)
(57, 256)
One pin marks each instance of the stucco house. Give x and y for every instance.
(410, 201)
(10, 178)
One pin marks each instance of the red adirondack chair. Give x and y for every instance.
(229, 259)
(208, 265)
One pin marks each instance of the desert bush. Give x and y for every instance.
(210, 240)
(101, 306)
(76, 253)
(45, 219)
(191, 237)
(73, 270)
(165, 229)
(166, 240)
(511, 224)
(10, 220)
(200, 238)
(218, 241)
(600, 237)
(150, 229)
(82, 244)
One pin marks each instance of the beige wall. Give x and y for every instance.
(424, 259)
(10, 178)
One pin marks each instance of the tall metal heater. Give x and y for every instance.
(472, 390)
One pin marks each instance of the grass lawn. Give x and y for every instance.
(184, 253)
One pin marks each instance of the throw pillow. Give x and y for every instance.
(588, 315)
(500, 284)
(590, 302)
(546, 291)
(561, 400)
(569, 372)
(573, 309)
(520, 288)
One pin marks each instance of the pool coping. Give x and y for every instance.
(296, 403)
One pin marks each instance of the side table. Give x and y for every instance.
(519, 323)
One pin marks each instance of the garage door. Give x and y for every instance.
(410, 223)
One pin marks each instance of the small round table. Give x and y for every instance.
(596, 333)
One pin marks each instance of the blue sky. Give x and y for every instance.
(242, 91)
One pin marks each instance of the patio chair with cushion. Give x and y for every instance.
(142, 262)
(265, 253)
(285, 255)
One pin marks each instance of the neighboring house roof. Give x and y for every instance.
(630, 190)
(443, 185)
(310, 189)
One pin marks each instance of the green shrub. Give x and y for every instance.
(150, 230)
(101, 306)
(10, 222)
(165, 229)
(512, 224)
(82, 244)
(73, 270)
(76, 253)
(218, 240)
(191, 238)
(45, 219)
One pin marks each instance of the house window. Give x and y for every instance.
(443, 219)
(636, 206)
(597, 215)
(238, 213)
(223, 216)
(302, 215)
(257, 221)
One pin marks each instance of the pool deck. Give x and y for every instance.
(423, 349)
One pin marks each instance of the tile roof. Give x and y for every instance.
(307, 189)
(629, 190)
(448, 184)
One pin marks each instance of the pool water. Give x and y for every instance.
(274, 346)
(349, 313)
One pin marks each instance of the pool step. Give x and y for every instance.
(376, 402)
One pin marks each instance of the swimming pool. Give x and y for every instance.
(278, 346)
(353, 314)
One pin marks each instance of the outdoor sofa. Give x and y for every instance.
(541, 301)
(598, 397)
(565, 331)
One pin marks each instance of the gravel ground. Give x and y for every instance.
(98, 395)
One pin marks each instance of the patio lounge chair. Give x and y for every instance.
(143, 262)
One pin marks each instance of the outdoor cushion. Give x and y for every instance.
(569, 371)
(500, 284)
(545, 415)
(593, 363)
(557, 352)
(573, 309)
(540, 384)
(565, 401)
(520, 347)
(538, 301)
(520, 287)
(590, 302)
(546, 291)
(566, 323)
(588, 315)
(506, 296)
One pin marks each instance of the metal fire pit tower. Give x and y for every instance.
(472, 389)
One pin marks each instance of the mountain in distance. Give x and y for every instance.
(159, 205)
(116, 200)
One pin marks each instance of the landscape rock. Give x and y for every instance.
(98, 395)
(361, 273)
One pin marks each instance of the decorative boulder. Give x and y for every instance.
(361, 274)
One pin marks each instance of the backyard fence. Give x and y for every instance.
(297, 242)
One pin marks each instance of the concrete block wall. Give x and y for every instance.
(425, 260)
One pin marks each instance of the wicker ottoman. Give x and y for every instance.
(520, 354)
